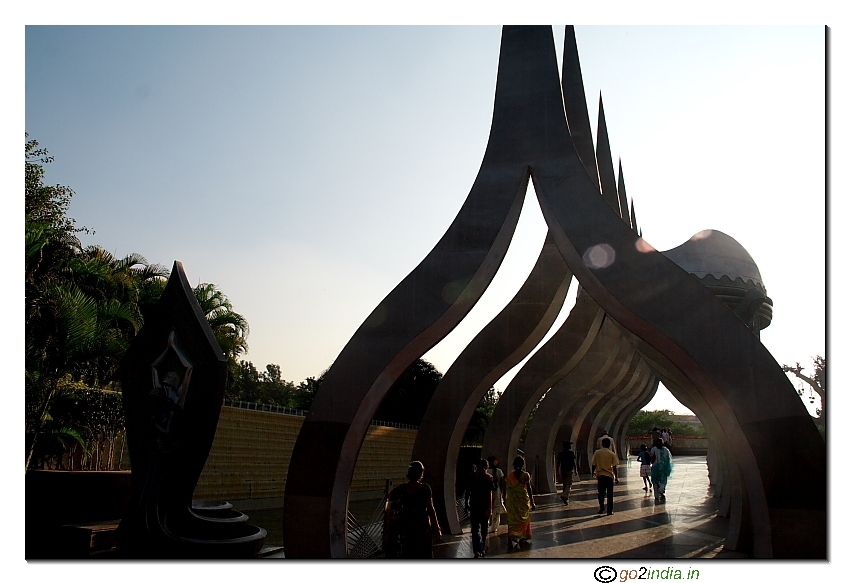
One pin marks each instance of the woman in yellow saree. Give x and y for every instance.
(519, 502)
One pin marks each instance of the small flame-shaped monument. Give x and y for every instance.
(172, 379)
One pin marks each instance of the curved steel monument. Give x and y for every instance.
(640, 318)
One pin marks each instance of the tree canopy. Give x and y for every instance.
(269, 388)
(642, 423)
(409, 396)
(816, 382)
(83, 307)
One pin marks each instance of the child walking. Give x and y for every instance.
(645, 468)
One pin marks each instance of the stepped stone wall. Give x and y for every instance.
(249, 459)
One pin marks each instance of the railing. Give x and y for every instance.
(393, 424)
(462, 514)
(367, 541)
(266, 408)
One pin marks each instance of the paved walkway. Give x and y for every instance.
(684, 527)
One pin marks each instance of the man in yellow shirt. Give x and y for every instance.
(604, 465)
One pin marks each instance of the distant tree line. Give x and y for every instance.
(246, 383)
(405, 403)
(642, 423)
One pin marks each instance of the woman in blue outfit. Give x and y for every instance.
(662, 467)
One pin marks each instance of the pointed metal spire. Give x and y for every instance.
(605, 162)
(575, 104)
(621, 192)
(634, 220)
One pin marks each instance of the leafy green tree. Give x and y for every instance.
(56, 432)
(642, 423)
(230, 328)
(244, 382)
(71, 334)
(275, 390)
(83, 307)
(306, 391)
(268, 387)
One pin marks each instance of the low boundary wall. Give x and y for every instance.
(680, 446)
(250, 455)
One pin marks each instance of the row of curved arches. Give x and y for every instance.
(639, 319)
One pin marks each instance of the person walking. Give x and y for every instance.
(411, 519)
(565, 469)
(519, 500)
(604, 465)
(498, 494)
(662, 467)
(479, 505)
(645, 465)
(610, 441)
(654, 435)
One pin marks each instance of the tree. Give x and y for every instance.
(816, 382)
(408, 398)
(275, 390)
(642, 423)
(306, 391)
(477, 428)
(244, 382)
(83, 308)
(230, 328)
(72, 335)
(46, 205)
(269, 388)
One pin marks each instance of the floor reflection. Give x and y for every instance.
(683, 527)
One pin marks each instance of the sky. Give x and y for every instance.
(306, 170)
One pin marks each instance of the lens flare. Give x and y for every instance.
(599, 256)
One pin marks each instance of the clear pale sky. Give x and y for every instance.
(306, 170)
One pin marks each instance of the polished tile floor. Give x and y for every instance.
(683, 527)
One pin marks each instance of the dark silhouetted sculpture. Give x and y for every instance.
(172, 379)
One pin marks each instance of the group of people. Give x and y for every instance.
(411, 525)
(489, 494)
(411, 520)
(664, 434)
(656, 465)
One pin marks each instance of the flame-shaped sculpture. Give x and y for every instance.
(639, 318)
(172, 380)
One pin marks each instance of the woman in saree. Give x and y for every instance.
(662, 467)
(519, 501)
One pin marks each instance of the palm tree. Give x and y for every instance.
(230, 328)
(83, 306)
